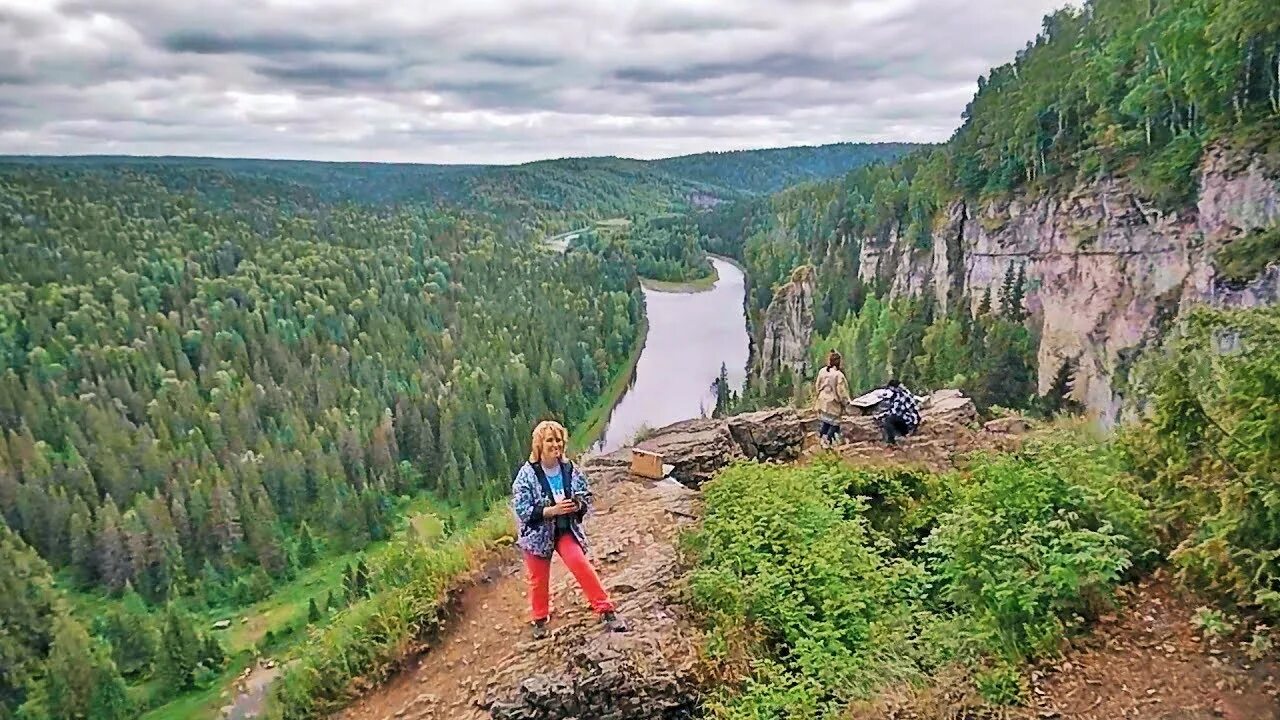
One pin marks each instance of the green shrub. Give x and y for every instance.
(1035, 544)
(1208, 452)
(1001, 685)
(821, 585)
(1170, 177)
(1244, 259)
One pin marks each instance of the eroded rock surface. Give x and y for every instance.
(788, 325)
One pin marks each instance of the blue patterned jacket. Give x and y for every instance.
(530, 494)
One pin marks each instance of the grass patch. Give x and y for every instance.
(702, 284)
(369, 639)
(825, 585)
(199, 704)
(1243, 260)
(586, 433)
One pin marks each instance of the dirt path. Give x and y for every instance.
(251, 692)
(1149, 661)
(442, 683)
(487, 650)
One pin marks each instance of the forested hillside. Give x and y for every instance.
(766, 171)
(212, 382)
(1125, 89)
(1124, 108)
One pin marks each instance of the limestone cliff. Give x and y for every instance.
(788, 326)
(1106, 272)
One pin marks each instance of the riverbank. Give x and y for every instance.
(586, 433)
(702, 284)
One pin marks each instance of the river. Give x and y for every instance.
(690, 335)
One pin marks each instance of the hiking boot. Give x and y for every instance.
(540, 629)
(613, 623)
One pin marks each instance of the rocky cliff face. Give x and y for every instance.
(788, 326)
(1106, 272)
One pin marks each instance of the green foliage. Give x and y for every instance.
(28, 604)
(185, 654)
(788, 551)
(823, 584)
(1121, 79)
(1242, 260)
(1170, 176)
(367, 639)
(767, 171)
(80, 681)
(1001, 685)
(662, 248)
(1208, 450)
(671, 247)
(1035, 543)
(269, 360)
(131, 633)
(1212, 623)
(992, 357)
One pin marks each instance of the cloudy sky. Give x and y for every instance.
(490, 80)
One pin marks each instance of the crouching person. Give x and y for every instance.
(903, 414)
(550, 499)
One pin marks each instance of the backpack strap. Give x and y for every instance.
(542, 479)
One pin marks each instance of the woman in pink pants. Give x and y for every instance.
(550, 500)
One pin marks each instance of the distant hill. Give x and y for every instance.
(770, 170)
(564, 184)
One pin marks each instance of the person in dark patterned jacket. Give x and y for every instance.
(901, 416)
(550, 499)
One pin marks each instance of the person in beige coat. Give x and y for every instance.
(833, 396)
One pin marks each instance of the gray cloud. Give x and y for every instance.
(204, 42)
(512, 59)
(491, 80)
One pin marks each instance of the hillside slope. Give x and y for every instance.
(484, 665)
(575, 188)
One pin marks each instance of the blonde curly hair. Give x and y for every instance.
(545, 429)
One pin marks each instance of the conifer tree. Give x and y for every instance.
(306, 546)
(79, 681)
(180, 650)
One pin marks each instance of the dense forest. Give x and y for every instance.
(216, 374)
(206, 390)
(767, 171)
(218, 377)
(663, 247)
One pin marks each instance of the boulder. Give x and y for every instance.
(949, 405)
(1007, 425)
(697, 449)
(768, 434)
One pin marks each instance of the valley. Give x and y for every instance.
(259, 418)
